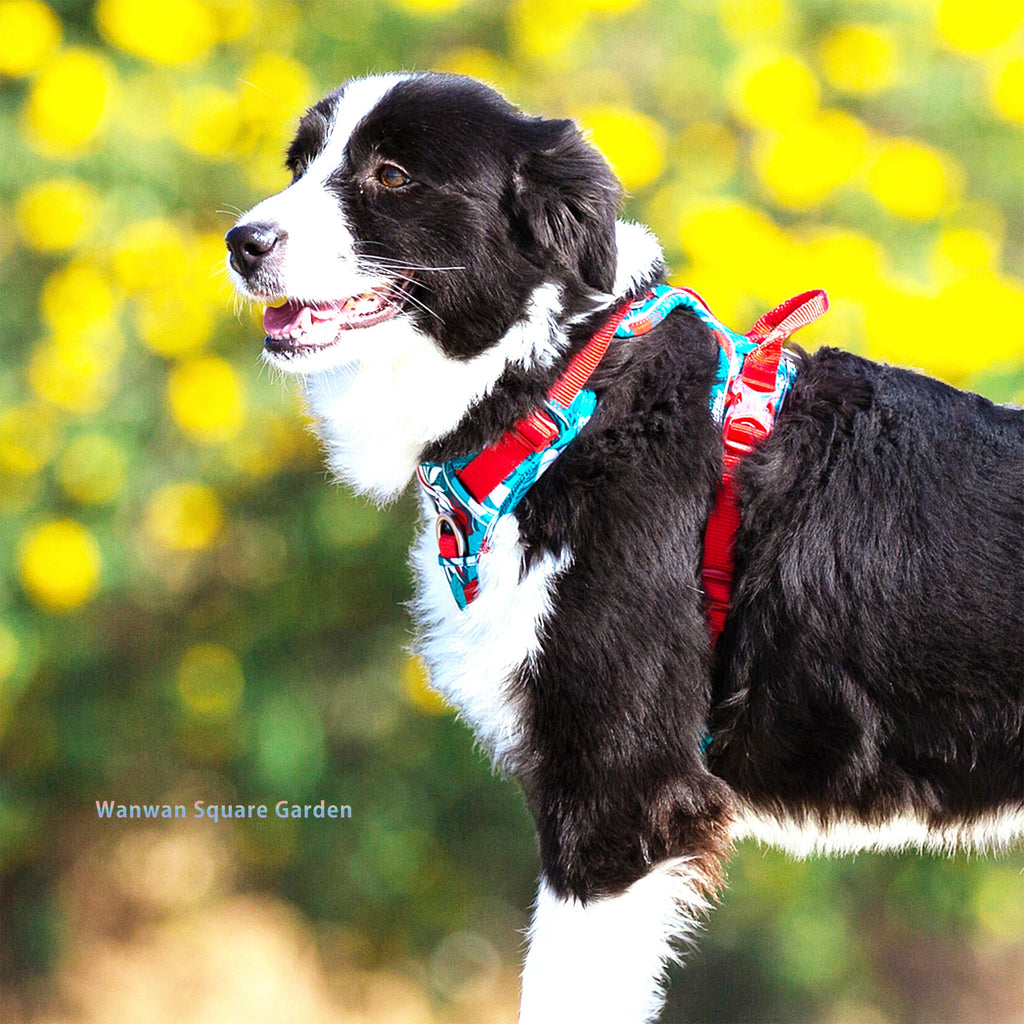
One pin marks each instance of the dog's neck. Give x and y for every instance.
(377, 416)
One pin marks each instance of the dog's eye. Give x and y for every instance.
(392, 177)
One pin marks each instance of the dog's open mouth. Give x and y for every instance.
(298, 326)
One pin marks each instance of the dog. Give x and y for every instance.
(448, 277)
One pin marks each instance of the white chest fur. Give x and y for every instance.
(475, 654)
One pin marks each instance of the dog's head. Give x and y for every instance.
(423, 201)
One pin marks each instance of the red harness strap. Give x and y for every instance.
(748, 421)
(537, 430)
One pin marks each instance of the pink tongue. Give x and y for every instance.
(282, 319)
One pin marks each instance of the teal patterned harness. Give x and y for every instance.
(465, 524)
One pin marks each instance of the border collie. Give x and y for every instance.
(435, 267)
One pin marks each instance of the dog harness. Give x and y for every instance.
(470, 494)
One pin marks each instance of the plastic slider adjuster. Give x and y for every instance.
(537, 430)
(743, 434)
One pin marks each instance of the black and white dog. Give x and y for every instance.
(436, 262)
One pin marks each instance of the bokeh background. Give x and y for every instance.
(190, 610)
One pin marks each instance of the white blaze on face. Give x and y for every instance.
(318, 262)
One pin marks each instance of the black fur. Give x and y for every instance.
(872, 661)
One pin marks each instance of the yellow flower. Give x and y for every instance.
(76, 298)
(210, 681)
(973, 322)
(802, 166)
(973, 28)
(29, 434)
(207, 122)
(173, 322)
(417, 689)
(92, 469)
(633, 143)
(544, 31)
(482, 64)
(961, 251)
(914, 181)
(274, 87)
(76, 371)
(206, 399)
(771, 89)
(171, 32)
(57, 214)
(69, 103)
(859, 59)
(184, 517)
(233, 18)
(150, 254)
(1006, 88)
(60, 565)
(29, 34)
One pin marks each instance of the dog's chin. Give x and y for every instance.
(306, 337)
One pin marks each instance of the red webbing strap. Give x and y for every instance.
(740, 435)
(791, 315)
(536, 431)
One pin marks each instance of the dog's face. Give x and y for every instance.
(425, 203)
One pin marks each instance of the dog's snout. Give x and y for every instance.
(249, 244)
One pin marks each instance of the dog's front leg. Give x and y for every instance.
(602, 961)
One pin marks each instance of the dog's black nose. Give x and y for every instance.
(249, 244)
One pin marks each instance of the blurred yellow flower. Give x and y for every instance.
(184, 517)
(150, 254)
(961, 251)
(913, 180)
(210, 681)
(171, 32)
(57, 214)
(69, 103)
(274, 88)
(76, 298)
(76, 371)
(207, 122)
(417, 690)
(482, 64)
(802, 166)
(1006, 88)
(29, 434)
(973, 28)
(173, 322)
(206, 400)
(859, 59)
(92, 469)
(972, 322)
(745, 21)
(544, 31)
(29, 35)
(633, 143)
(233, 18)
(60, 565)
(772, 89)
(272, 442)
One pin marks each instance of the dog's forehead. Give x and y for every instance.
(325, 129)
(396, 112)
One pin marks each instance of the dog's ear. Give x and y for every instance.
(565, 201)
